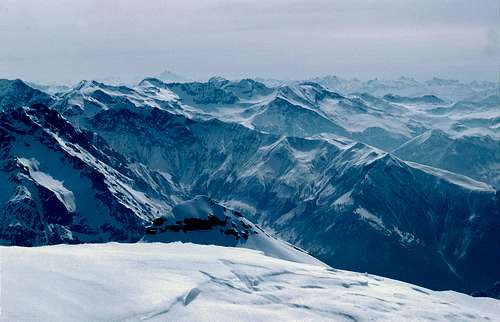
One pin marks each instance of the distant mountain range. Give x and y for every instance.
(321, 169)
(447, 89)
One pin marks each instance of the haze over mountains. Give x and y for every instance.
(396, 178)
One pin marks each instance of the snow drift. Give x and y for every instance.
(188, 282)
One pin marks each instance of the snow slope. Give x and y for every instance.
(88, 98)
(476, 156)
(189, 282)
(204, 221)
(61, 184)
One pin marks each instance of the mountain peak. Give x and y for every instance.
(168, 76)
(15, 93)
(218, 81)
(152, 81)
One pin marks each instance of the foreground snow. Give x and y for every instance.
(188, 282)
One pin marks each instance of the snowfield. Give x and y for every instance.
(189, 282)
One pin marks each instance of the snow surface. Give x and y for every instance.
(46, 180)
(189, 282)
(371, 218)
(202, 207)
(454, 178)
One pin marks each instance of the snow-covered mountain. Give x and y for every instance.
(477, 156)
(303, 109)
(168, 76)
(425, 99)
(15, 93)
(408, 86)
(51, 88)
(308, 109)
(189, 282)
(203, 221)
(61, 184)
(278, 156)
(291, 185)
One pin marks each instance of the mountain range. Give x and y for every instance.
(378, 182)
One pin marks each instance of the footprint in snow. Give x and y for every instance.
(191, 296)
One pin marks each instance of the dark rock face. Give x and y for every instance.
(427, 99)
(188, 224)
(16, 93)
(246, 88)
(204, 221)
(205, 93)
(473, 156)
(231, 227)
(46, 166)
(317, 93)
(284, 117)
(490, 291)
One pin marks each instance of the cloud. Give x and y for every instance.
(271, 38)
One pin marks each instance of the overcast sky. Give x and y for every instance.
(53, 40)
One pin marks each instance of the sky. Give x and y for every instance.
(66, 40)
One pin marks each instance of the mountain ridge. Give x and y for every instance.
(163, 152)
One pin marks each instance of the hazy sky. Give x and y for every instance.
(51, 40)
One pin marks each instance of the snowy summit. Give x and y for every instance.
(189, 282)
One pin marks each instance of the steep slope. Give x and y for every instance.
(60, 184)
(51, 88)
(203, 93)
(90, 97)
(475, 156)
(65, 185)
(168, 76)
(188, 282)
(308, 108)
(15, 93)
(425, 99)
(203, 221)
(302, 109)
(248, 89)
(334, 198)
(281, 116)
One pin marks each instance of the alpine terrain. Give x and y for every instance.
(313, 179)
